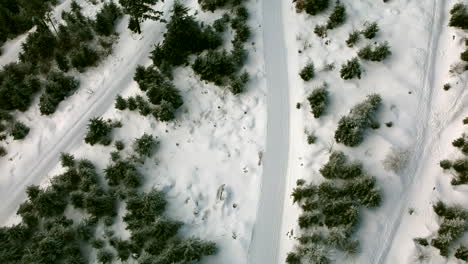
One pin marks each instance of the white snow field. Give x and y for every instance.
(229, 163)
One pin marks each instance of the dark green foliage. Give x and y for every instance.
(160, 92)
(464, 55)
(371, 30)
(445, 164)
(459, 142)
(58, 87)
(308, 72)
(318, 101)
(98, 132)
(17, 86)
(212, 5)
(106, 18)
(421, 241)
(311, 139)
(145, 145)
(62, 62)
(447, 87)
(337, 17)
(143, 209)
(67, 160)
(351, 69)
(338, 167)
(19, 131)
(238, 83)
(351, 128)
(123, 172)
(331, 209)
(105, 256)
(39, 46)
(120, 103)
(119, 145)
(3, 151)
(184, 36)
(378, 53)
(454, 224)
(139, 11)
(320, 31)
(462, 253)
(122, 247)
(353, 39)
(84, 57)
(312, 7)
(220, 24)
(98, 203)
(459, 16)
(186, 251)
(97, 243)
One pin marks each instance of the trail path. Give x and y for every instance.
(264, 247)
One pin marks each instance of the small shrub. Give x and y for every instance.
(318, 101)
(353, 39)
(67, 160)
(98, 132)
(97, 243)
(120, 103)
(19, 131)
(337, 17)
(459, 16)
(351, 69)
(105, 256)
(462, 253)
(464, 55)
(379, 53)
(447, 86)
(351, 128)
(3, 151)
(119, 145)
(370, 31)
(145, 145)
(320, 31)
(308, 72)
(312, 7)
(445, 164)
(396, 160)
(311, 139)
(237, 84)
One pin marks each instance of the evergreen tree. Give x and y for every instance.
(139, 11)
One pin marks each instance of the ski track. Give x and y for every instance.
(103, 99)
(264, 247)
(425, 138)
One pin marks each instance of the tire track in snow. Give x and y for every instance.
(428, 129)
(73, 136)
(264, 247)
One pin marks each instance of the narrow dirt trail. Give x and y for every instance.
(264, 247)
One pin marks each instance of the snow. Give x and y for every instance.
(228, 163)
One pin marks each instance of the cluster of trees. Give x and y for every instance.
(222, 67)
(160, 91)
(184, 36)
(8, 125)
(18, 16)
(46, 235)
(454, 223)
(212, 5)
(459, 16)
(459, 166)
(72, 44)
(378, 53)
(331, 210)
(351, 128)
(319, 100)
(336, 18)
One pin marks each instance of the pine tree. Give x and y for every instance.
(139, 11)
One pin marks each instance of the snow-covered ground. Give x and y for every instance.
(425, 117)
(253, 147)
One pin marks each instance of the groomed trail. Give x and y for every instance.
(264, 247)
(425, 141)
(102, 99)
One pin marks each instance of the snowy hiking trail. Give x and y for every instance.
(264, 247)
(104, 96)
(424, 144)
